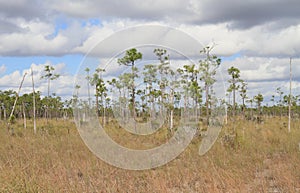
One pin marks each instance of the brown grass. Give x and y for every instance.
(260, 158)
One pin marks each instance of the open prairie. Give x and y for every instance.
(260, 158)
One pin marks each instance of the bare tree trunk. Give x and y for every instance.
(89, 93)
(207, 105)
(24, 115)
(47, 106)
(97, 101)
(133, 98)
(233, 106)
(33, 100)
(243, 108)
(133, 93)
(14, 106)
(172, 110)
(185, 106)
(104, 116)
(97, 105)
(171, 120)
(290, 98)
(281, 106)
(103, 112)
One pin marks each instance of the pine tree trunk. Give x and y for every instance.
(47, 106)
(133, 93)
(207, 104)
(33, 100)
(97, 105)
(133, 98)
(172, 111)
(243, 108)
(185, 107)
(233, 111)
(103, 112)
(290, 98)
(14, 106)
(24, 115)
(171, 120)
(89, 93)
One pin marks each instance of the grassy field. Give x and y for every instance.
(260, 158)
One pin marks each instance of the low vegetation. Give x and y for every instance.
(260, 157)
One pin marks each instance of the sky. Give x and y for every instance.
(258, 37)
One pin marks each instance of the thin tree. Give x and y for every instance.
(88, 78)
(117, 84)
(207, 68)
(125, 85)
(100, 91)
(24, 115)
(184, 84)
(33, 102)
(259, 99)
(251, 100)
(194, 90)
(174, 84)
(290, 97)
(233, 87)
(49, 75)
(243, 94)
(280, 102)
(163, 70)
(95, 81)
(150, 79)
(11, 116)
(131, 56)
(273, 105)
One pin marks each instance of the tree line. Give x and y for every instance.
(176, 90)
(167, 91)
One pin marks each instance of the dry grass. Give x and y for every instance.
(261, 158)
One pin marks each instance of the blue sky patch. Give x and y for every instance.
(21, 63)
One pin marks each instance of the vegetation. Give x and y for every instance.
(254, 152)
(261, 157)
(49, 75)
(170, 89)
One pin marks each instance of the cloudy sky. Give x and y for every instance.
(258, 37)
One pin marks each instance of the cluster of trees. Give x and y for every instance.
(175, 90)
(33, 105)
(277, 106)
(167, 91)
(52, 106)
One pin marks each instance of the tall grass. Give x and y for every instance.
(56, 159)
